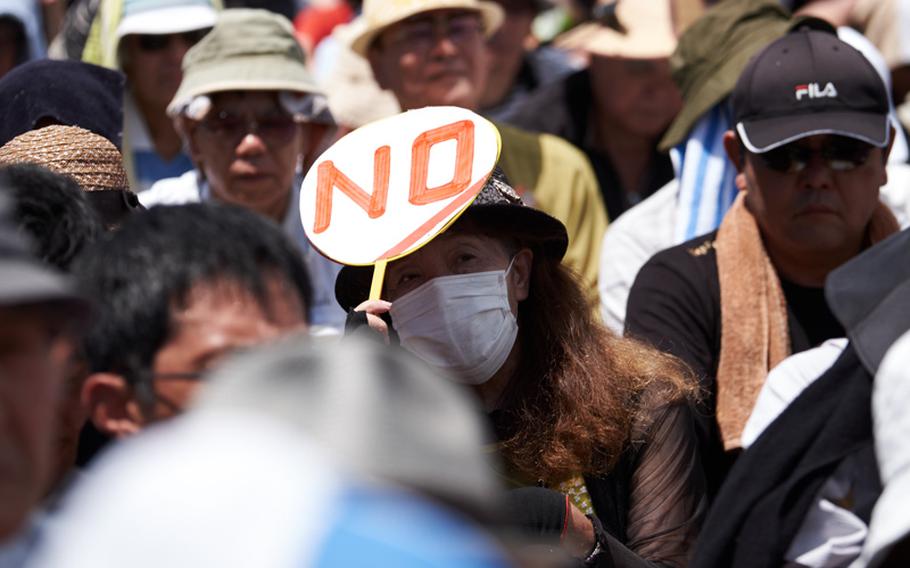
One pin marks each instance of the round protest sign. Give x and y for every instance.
(389, 187)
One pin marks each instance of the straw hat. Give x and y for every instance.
(629, 29)
(92, 160)
(380, 14)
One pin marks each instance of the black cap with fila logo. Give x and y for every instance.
(805, 83)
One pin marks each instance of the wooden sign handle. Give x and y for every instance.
(378, 277)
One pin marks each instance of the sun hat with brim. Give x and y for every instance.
(630, 29)
(165, 17)
(806, 83)
(497, 206)
(715, 49)
(247, 50)
(24, 280)
(380, 14)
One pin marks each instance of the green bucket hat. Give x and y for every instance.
(715, 49)
(247, 50)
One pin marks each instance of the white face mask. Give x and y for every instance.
(461, 324)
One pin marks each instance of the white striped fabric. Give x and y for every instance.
(706, 176)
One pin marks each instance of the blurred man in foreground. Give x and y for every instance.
(178, 288)
(39, 314)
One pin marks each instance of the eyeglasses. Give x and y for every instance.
(421, 34)
(186, 376)
(159, 42)
(230, 128)
(840, 154)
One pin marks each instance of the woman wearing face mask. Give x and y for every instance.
(600, 421)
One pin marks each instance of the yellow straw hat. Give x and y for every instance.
(380, 14)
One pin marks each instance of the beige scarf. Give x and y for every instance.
(754, 333)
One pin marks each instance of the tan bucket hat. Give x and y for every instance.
(380, 14)
(247, 50)
(629, 29)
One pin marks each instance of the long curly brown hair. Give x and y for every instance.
(578, 389)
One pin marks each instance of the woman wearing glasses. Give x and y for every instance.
(594, 431)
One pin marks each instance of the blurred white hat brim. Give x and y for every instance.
(176, 19)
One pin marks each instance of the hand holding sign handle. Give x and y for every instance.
(424, 168)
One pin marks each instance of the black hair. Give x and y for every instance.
(20, 40)
(140, 273)
(52, 209)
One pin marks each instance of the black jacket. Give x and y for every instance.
(768, 493)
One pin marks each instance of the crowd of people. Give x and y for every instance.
(671, 329)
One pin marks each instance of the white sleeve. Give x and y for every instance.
(785, 382)
(830, 535)
(628, 243)
(173, 191)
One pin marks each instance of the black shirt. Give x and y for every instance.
(674, 304)
(565, 109)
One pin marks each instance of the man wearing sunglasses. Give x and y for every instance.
(810, 143)
(252, 117)
(152, 39)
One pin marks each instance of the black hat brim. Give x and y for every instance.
(529, 225)
(769, 133)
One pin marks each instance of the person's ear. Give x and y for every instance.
(886, 152)
(521, 273)
(736, 154)
(734, 149)
(109, 401)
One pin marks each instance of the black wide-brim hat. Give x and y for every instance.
(497, 206)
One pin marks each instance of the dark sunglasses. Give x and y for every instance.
(840, 154)
(158, 42)
(231, 128)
